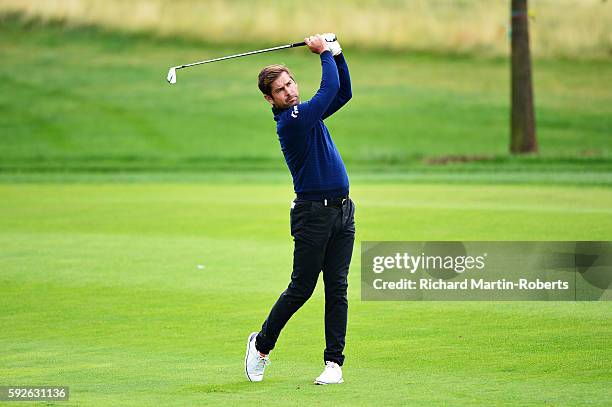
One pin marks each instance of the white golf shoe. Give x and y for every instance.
(331, 375)
(254, 362)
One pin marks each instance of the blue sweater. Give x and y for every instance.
(312, 157)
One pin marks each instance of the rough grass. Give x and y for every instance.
(571, 28)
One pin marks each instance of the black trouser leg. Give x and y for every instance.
(310, 235)
(335, 275)
(306, 267)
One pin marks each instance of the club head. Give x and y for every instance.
(172, 75)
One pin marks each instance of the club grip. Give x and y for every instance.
(301, 44)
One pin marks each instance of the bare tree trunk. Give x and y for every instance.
(523, 136)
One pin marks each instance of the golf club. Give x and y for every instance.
(172, 72)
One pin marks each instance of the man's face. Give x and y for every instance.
(284, 92)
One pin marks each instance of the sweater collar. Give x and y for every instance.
(277, 112)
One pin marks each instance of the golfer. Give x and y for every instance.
(322, 214)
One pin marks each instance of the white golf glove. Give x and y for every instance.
(332, 41)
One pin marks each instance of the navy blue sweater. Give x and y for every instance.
(312, 157)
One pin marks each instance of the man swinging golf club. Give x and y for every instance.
(322, 215)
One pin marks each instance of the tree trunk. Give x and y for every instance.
(523, 136)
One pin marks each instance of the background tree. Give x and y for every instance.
(523, 134)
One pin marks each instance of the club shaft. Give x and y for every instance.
(297, 44)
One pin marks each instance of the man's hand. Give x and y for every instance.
(332, 41)
(317, 44)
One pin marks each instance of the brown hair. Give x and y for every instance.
(268, 75)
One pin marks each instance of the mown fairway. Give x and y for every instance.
(101, 291)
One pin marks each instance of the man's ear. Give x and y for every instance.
(269, 99)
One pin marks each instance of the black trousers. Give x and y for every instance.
(324, 238)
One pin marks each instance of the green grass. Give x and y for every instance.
(115, 186)
(85, 99)
(100, 291)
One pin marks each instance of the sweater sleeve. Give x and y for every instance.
(344, 94)
(307, 114)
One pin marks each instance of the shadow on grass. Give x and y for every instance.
(232, 387)
(244, 386)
